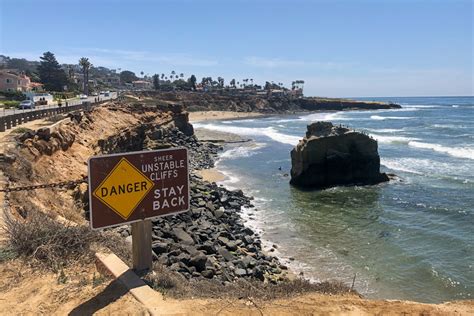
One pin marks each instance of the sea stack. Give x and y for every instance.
(335, 155)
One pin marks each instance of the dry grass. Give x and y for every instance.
(173, 284)
(44, 241)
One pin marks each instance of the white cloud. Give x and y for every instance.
(118, 57)
(169, 59)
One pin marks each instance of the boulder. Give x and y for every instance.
(334, 155)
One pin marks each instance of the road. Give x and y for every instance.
(5, 112)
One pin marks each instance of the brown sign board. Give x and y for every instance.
(129, 187)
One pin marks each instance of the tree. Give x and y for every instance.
(232, 83)
(127, 76)
(50, 73)
(156, 81)
(141, 73)
(221, 81)
(85, 65)
(192, 81)
(268, 85)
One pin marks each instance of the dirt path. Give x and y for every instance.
(82, 291)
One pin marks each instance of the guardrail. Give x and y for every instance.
(9, 121)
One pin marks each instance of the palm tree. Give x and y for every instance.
(181, 75)
(162, 76)
(86, 65)
(141, 73)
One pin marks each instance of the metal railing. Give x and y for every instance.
(21, 117)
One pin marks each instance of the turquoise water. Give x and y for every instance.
(408, 239)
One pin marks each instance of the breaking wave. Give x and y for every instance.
(382, 118)
(460, 152)
(270, 132)
(242, 151)
(393, 139)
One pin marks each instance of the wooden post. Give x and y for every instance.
(141, 245)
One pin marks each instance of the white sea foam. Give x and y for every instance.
(400, 165)
(325, 117)
(393, 139)
(388, 130)
(460, 152)
(230, 179)
(455, 106)
(430, 167)
(382, 118)
(270, 132)
(420, 106)
(242, 151)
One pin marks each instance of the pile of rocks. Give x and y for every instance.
(201, 155)
(210, 240)
(46, 141)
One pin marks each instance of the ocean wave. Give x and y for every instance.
(388, 130)
(400, 165)
(393, 139)
(270, 132)
(382, 118)
(420, 106)
(230, 179)
(242, 151)
(460, 152)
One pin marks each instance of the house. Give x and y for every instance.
(141, 84)
(36, 86)
(11, 81)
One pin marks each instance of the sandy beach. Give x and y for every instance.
(220, 115)
(213, 175)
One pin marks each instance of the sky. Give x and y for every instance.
(340, 48)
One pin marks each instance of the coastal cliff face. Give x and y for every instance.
(226, 101)
(334, 155)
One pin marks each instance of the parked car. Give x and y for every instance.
(27, 104)
(82, 96)
(95, 94)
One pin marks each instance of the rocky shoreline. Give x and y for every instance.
(246, 102)
(210, 241)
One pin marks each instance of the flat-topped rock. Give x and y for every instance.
(334, 155)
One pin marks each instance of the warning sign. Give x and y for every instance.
(125, 188)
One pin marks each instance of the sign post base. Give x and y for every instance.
(141, 246)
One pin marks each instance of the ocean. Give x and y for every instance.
(412, 238)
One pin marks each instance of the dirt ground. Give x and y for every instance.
(81, 290)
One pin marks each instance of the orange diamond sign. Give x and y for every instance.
(123, 188)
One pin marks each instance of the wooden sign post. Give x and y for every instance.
(133, 188)
(141, 245)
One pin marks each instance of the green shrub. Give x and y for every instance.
(13, 95)
(10, 104)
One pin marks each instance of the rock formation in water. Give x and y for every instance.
(334, 155)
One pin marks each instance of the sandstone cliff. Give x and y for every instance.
(240, 102)
(334, 155)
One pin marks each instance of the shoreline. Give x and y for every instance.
(203, 116)
(221, 178)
